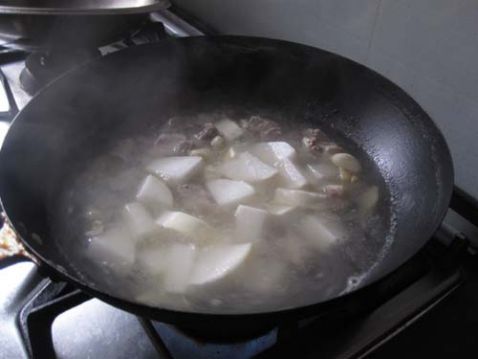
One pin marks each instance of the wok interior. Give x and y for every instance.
(134, 91)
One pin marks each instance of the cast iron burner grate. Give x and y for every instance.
(352, 332)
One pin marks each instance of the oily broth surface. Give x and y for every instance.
(280, 271)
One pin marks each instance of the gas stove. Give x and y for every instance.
(44, 319)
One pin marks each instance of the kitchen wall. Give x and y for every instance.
(428, 47)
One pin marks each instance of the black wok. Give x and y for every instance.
(131, 91)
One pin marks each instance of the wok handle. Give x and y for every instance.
(11, 250)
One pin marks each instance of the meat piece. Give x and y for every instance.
(262, 127)
(317, 142)
(334, 190)
(207, 132)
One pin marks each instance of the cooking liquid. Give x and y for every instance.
(282, 270)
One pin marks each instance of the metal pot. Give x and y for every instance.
(27, 25)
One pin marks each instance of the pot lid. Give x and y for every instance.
(81, 7)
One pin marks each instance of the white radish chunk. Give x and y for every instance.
(298, 198)
(211, 172)
(152, 258)
(320, 232)
(229, 129)
(113, 246)
(247, 167)
(323, 171)
(155, 192)
(279, 209)
(180, 260)
(176, 169)
(187, 225)
(347, 162)
(290, 175)
(250, 223)
(272, 152)
(216, 262)
(138, 220)
(368, 199)
(228, 192)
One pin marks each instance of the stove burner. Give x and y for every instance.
(43, 67)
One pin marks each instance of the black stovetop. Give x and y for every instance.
(428, 307)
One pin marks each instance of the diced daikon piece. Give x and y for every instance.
(346, 161)
(180, 260)
(321, 232)
(187, 225)
(139, 221)
(299, 198)
(216, 262)
(229, 129)
(272, 152)
(113, 246)
(176, 169)
(290, 175)
(228, 192)
(279, 209)
(368, 199)
(154, 191)
(249, 223)
(323, 171)
(153, 257)
(211, 172)
(247, 167)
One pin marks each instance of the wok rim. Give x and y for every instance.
(56, 270)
